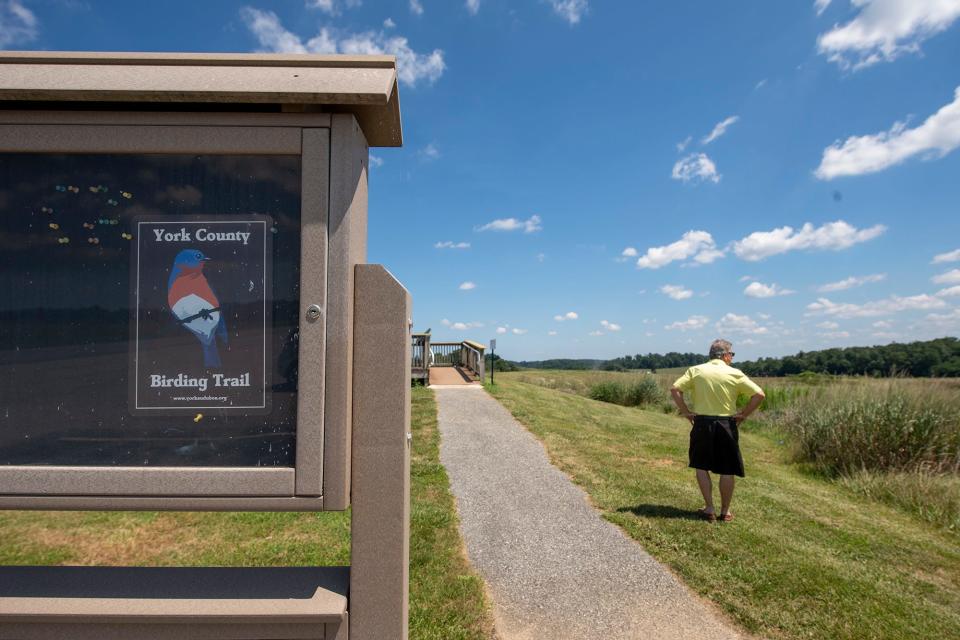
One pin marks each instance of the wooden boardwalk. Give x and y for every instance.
(451, 376)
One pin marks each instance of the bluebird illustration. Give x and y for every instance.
(195, 305)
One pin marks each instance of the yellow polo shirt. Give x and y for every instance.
(713, 388)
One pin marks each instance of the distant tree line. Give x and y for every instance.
(940, 358)
(654, 361)
(936, 358)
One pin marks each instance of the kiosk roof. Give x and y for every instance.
(365, 86)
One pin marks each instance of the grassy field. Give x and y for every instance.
(446, 597)
(806, 556)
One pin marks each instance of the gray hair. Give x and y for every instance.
(719, 347)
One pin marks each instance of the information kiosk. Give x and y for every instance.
(187, 323)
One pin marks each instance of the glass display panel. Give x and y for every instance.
(149, 309)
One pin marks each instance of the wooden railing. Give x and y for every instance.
(426, 354)
(420, 354)
(472, 357)
(446, 354)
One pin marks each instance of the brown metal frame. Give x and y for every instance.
(300, 488)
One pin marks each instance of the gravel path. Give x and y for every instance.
(553, 567)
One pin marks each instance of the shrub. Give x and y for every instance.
(877, 426)
(643, 392)
(638, 392)
(608, 391)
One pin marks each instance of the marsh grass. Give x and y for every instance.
(879, 426)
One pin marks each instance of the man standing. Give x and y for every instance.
(714, 439)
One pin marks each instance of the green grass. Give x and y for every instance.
(806, 556)
(932, 497)
(446, 597)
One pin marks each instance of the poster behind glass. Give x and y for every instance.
(148, 309)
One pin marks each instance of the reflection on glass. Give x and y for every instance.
(148, 309)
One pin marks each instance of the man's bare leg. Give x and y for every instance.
(706, 488)
(726, 493)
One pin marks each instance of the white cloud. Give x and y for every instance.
(541, 257)
(696, 167)
(461, 326)
(551, 333)
(389, 23)
(692, 323)
(821, 5)
(595, 333)
(430, 152)
(412, 67)
(884, 29)
(529, 225)
(682, 145)
(949, 277)
(708, 256)
(610, 326)
(676, 291)
(331, 6)
(832, 235)
(950, 256)
(629, 252)
(760, 290)
(450, 244)
(949, 292)
(570, 10)
(720, 129)
(569, 315)
(473, 6)
(760, 85)
(835, 335)
(17, 24)
(858, 155)
(882, 324)
(830, 326)
(733, 323)
(696, 244)
(376, 161)
(501, 330)
(518, 332)
(945, 321)
(851, 282)
(416, 8)
(746, 278)
(893, 304)
(467, 286)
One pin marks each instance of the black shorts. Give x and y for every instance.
(715, 445)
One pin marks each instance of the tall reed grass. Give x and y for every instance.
(895, 425)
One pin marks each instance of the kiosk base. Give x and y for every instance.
(145, 602)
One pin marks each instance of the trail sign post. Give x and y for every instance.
(191, 325)
(493, 358)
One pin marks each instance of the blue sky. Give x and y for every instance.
(589, 178)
